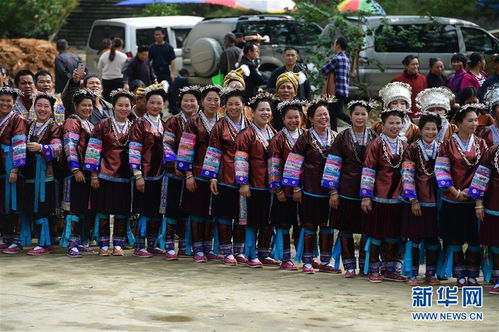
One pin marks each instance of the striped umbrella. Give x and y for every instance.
(367, 6)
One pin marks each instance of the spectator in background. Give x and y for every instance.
(44, 83)
(106, 46)
(139, 100)
(337, 82)
(162, 57)
(290, 57)
(475, 76)
(139, 68)
(239, 39)
(458, 62)
(255, 78)
(230, 55)
(4, 78)
(24, 81)
(65, 64)
(416, 80)
(181, 81)
(111, 66)
(436, 77)
(494, 79)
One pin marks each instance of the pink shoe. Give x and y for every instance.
(50, 248)
(212, 257)
(230, 261)
(337, 271)
(316, 265)
(350, 274)
(118, 252)
(412, 282)
(199, 258)
(103, 252)
(74, 253)
(142, 253)
(85, 249)
(308, 269)
(183, 253)
(4, 246)
(241, 259)
(37, 251)
(270, 261)
(289, 266)
(171, 255)
(12, 249)
(394, 277)
(326, 268)
(494, 290)
(255, 263)
(374, 277)
(156, 251)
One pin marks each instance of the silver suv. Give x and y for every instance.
(203, 46)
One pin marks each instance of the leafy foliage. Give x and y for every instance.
(33, 18)
(161, 9)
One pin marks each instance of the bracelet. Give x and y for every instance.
(213, 180)
(189, 176)
(296, 190)
(414, 202)
(279, 192)
(458, 193)
(75, 170)
(138, 177)
(94, 177)
(366, 198)
(479, 207)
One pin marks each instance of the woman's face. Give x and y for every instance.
(155, 105)
(429, 132)
(320, 120)
(392, 125)
(262, 113)
(122, 108)
(234, 107)
(189, 104)
(236, 85)
(457, 65)
(359, 116)
(437, 68)
(211, 102)
(471, 100)
(286, 91)
(469, 123)
(43, 110)
(6, 104)
(292, 119)
(413, 66)
(439, 110)
(398, 104)
(84, 108)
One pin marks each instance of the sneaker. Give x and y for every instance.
(85, 249)
(255, 263)
(118, 252)
(241, 259)
(270, 261)
(50, 248)
(156, 251)
(394, 277)
(4, 246)
(433, 281)
(374, 277)
(200, 258)
(142, 253)
(326, 268)
(308, 269)
(212, 257)
(230, 260)
(104, 252)
(350, 274)
(494, 290)
(412, 282)
(74, 252)
(12, 249)
(315, 265)
(170, 255)
(472, 282)
(460, 283)
(36, 251)
(289, 266)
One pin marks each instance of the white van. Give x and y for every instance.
(137, 31)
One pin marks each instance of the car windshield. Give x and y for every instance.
(279, 32)
(101, 32)
(146, 37)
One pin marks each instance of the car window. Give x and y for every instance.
(146, 37)
(477, 40)
(283, 33)
(180, 35)
(307, 32)
(252, 27)
(397, 38)
(439, 39)
(101, 32)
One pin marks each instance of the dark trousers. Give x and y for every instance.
(336, 111)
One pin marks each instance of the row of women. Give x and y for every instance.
(236, 187)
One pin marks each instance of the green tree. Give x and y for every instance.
(33, 18)
(161, 9)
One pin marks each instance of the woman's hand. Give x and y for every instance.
(94, 183)
(479, 209)
(334, 200)
(366, 205)
(34, 147)
(140, 184)
(244, 190)
(416, 209)
(297, 196)
(79, 177)
(13, 176)
(214, 187)
(190, 183)
(281, 196)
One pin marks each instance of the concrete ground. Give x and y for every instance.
(55, 293)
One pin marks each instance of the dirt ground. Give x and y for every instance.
(55, 293)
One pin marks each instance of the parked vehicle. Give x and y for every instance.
(438, 37)
(137, 31)
(203, 46)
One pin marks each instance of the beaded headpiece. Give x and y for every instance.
(434, 97)
(7, 90)
(394, 91)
